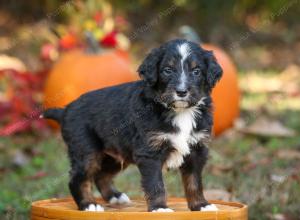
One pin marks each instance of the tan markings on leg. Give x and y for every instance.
(86, 191)
(193, 190)
(191, 183)
(104, 183)
(92, 165)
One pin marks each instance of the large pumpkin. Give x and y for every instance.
(226, 94)
(77, 72)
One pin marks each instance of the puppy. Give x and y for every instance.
(163, 120)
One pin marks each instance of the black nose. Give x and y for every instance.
(181, 93)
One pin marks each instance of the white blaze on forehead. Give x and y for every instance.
(184, 51)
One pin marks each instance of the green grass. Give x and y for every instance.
(18, 185)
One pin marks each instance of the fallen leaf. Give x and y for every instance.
(8, 62)
(14, 127)
(2, 170)
(278, 217)
(288, 154)
(20, 159)
(217, 194)
(219, 169)
(268, 128)
(278, 178)
(254, 165)
(38, 175)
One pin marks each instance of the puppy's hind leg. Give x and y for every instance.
(84, 153)
(104, 181)
(80, 186)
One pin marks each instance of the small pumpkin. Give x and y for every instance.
(226, 94)
(77, 72)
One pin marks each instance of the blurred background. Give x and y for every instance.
(53, 51)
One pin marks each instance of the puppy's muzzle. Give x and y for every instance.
(180, 104)
(181, 99)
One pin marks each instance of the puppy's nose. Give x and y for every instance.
(181, 92)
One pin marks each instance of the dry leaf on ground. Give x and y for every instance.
(288, 154)
(268, 128)
(217, 194)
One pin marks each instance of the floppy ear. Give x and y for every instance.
(214, 70)
(148, 70)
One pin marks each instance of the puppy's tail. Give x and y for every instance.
(53, 113)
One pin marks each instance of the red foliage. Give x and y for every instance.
(109, 40)
(121, 21)
(98, 17)
(20, 107)
(68, 41)
(47, 51)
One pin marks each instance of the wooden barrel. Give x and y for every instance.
(65, 209)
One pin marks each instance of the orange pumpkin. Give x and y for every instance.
(77, 72)
(226, 94)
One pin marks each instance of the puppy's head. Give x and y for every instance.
(180, 73)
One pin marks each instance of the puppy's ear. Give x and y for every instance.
(214, 70)
(148, 70)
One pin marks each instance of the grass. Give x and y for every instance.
(249, 168)
(21, 185)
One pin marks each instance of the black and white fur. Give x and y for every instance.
(163, 120)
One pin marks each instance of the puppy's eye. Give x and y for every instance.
(167, 71)
(196, 71)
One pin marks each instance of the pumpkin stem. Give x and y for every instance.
(190, 34)
(93, 45)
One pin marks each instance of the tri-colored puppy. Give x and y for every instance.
(163, 120)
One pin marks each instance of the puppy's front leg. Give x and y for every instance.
(191, 172)
(152, 183)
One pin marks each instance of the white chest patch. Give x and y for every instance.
(185, 122)
(182, 139)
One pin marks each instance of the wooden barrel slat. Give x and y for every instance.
(65, 209)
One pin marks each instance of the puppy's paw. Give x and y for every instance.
(209, 207)
(122, 199)
(94, 208)
(163, 210)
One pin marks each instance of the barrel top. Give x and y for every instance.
(66, 209)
